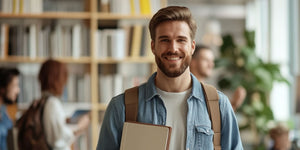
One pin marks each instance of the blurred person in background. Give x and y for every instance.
(9, 90)
(280, 136)
(53, 77)
(202, 66)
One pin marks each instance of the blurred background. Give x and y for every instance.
(256, 46)
(105, 44)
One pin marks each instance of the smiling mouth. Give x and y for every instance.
(173, 58)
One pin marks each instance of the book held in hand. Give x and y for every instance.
(141, 136)
(77, 114)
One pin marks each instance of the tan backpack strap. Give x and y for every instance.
(131, 103)
(212, 102)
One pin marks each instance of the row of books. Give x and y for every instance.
(39, 6)
(134, 7)
(3, 40)
(78, 87)
(111, 85)
(21, 6)
(127, 41)
(145, 7)
(38, 40)
(65, 5)
(76, 90)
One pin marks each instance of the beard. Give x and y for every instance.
(8, 100)
(165, 68)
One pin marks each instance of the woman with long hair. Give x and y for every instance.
(53, 77)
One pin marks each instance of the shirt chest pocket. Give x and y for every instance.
(204, 138)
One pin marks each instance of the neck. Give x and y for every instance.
(176, 84)
(200, 78)
(198, 75)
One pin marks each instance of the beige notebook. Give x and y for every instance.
(140, 136)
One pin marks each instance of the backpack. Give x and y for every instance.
(31, 133)
(212, 104)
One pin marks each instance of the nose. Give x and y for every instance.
(18, 90)
(173, 46)
(212, 64)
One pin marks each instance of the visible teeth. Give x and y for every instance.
(173, 58)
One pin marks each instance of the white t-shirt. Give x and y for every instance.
(176, 105)
(59, 136)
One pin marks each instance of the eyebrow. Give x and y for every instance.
(164, 36)
(182, 37)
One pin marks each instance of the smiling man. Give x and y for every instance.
(173, 96)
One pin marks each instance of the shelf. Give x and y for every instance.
(93, 20)
(101, 107)
(71, 105)
(21, 59)
(110, 16)
(81, 60)
(49, 15)
(126, 60)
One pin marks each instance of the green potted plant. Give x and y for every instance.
(244, 68)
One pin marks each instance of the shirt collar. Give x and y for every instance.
(151, 88)
(197, 90)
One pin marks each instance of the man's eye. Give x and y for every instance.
(164, 40)
(181, 40)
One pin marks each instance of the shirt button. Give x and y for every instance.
(207, 131)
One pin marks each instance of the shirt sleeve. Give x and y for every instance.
(58, 134)
(230, 138)
(5, 125)
(111, 129)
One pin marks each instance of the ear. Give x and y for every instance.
(152, 46)
(193, 46)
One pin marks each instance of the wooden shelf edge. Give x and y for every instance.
(21, 59)
(49, 15)
(126, 60)
(101, 107)
(74, 15)
(87, 60)
(112, 16)
(76, 105)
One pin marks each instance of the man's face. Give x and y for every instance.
(13, 89)
(173, 47)
(205, 62)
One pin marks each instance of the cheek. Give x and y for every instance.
(13, 91)
(10, 94)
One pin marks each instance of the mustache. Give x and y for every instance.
(173, 54)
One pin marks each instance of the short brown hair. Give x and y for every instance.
(6, 76)
(173, 13)
(199, 48)
(53, 76)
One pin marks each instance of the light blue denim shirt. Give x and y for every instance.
(5, 125)
(152, 110)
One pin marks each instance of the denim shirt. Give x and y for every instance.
(152, 110)
(5, 125)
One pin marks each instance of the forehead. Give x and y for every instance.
(206, 53)
(173, 29)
